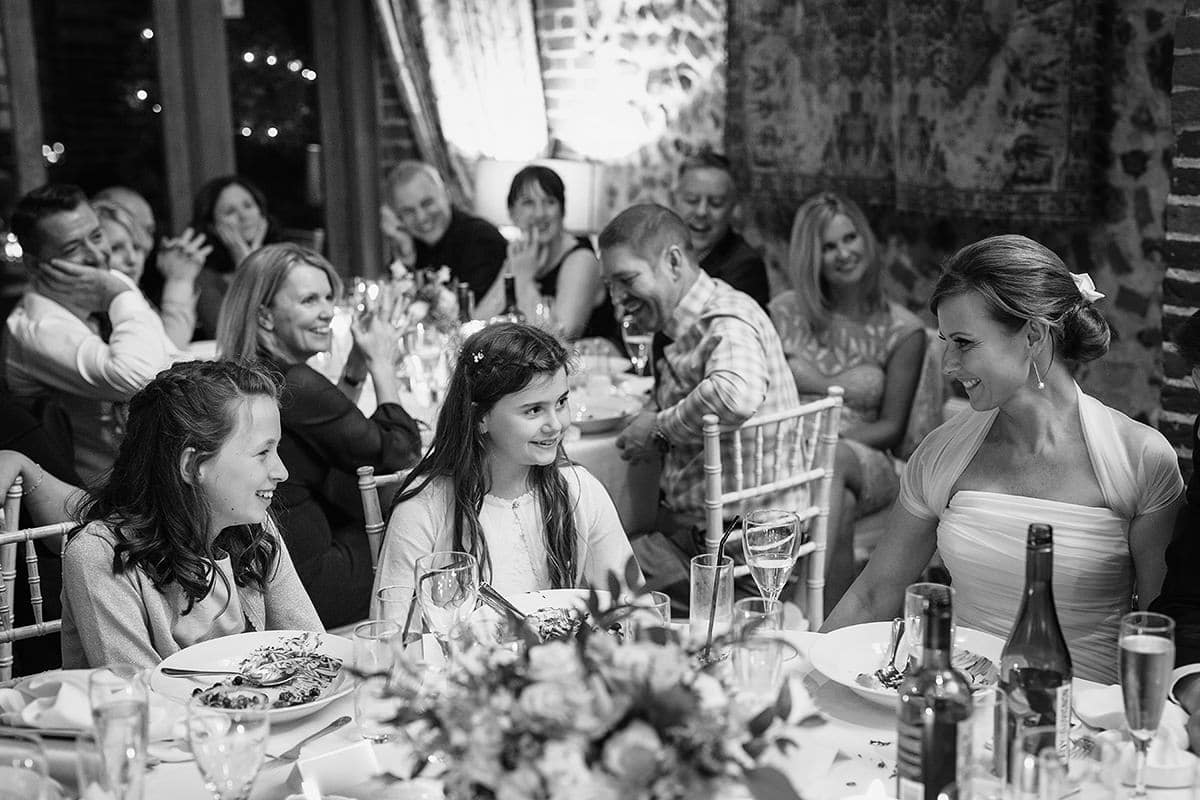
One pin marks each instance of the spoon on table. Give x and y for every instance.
(265, 676)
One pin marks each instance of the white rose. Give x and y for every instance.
(555, 661)
(631, 755)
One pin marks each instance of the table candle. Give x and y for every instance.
(874, 792)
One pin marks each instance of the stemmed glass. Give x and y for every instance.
(1145, 657)
(637, 344)
(447, 589)
(770, 538)
(230, 741)
(120, 714)
(428, 344)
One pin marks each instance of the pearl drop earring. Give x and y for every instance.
(1040, 383)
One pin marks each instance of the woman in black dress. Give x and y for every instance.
(550, 262)
(278, 310)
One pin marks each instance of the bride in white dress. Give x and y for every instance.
(1032, 448)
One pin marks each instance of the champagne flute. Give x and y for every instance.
(637, 344)
(770, 539)
(229, 741)
(120, 715)
(1145, 657)
(447, 588)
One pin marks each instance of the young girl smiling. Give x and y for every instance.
(177, 545)
(496, 482)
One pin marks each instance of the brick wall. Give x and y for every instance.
(1181, 287)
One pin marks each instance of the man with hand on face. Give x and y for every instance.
(428, 232)
(722, 357)
(82, 335)
(706, 198)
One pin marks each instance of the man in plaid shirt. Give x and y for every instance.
(724, 358)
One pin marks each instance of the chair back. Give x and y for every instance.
(369, 487)
(9, 540)
(792, 449)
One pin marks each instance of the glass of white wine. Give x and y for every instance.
(1145, 657)
(770, 538)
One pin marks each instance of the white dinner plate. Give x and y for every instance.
(601, 413)
(228, 651)
(844, 654)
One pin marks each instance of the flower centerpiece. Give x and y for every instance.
(424, 295)
(596, 716)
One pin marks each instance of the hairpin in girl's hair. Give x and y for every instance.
(477, 356)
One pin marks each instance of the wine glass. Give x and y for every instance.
(1145, 657)
(770, 538)
(229, 741)
(447, 588)
(23, 767)
(543, 314)
(637, 344)
(428, 344)
(120, 715)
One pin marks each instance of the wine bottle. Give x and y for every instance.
(464, 301)
(511, 312)
(1035, 665)
(934, 726)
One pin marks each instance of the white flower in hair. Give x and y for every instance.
(1087, 289)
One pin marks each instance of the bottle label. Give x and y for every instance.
(931, 758)
(1034, 700)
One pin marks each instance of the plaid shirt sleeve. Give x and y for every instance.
(734, 385)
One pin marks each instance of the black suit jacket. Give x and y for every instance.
(734, 261)
(1180, 598)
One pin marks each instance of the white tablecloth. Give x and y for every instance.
(863, 734)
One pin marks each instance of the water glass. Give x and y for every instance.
(376, 707)
(915, 597)
(1145, 656)
(710, 601)
(395, 601)
(447, 589)
(229, 744)
(984, 773)
(770, 539)
(652, 610)
(1038, 773)
(23, 767)
(758, 669)
(756, 616)
(637, 344)
(120, 715)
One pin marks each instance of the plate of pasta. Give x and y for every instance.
(319, 661)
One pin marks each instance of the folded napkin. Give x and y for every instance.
(1167, 761)
(59, 699)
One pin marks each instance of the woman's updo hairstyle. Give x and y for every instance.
(1023, 281)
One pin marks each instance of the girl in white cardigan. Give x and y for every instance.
(496, 482)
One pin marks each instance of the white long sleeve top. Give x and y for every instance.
(515, 531)
(52, 353)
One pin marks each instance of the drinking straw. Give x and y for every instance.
(712, 611)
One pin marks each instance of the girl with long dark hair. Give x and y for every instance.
(177, 545)
(496, 483)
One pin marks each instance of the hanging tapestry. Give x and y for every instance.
(980, 108)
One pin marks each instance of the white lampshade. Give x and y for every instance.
(581, 184)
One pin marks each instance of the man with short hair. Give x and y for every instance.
(428, 232)
(57, 344)
(706, 199)
(723, 357)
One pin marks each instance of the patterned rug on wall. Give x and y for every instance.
(957, 108)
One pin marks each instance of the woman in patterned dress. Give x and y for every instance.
(838, 329)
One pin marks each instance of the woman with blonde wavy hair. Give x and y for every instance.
(838, 329)
(278, 310)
